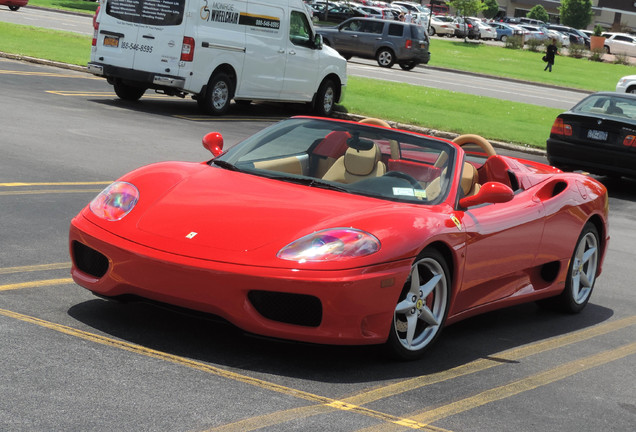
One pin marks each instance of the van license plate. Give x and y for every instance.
(111, 41)
(597, 135)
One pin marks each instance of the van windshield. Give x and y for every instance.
(149, 12)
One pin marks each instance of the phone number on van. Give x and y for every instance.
(136, 47)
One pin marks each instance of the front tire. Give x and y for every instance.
(503, 38)
(218, 95)
(422, 307)
(385, 57)
(325, 99)
(127, 92)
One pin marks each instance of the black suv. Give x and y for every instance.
(388, 42)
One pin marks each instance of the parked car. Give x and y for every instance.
(561, 38)
(485, 30)
(14, 5)
(504, 31)
(576, 36)
(597, 135)
(441, 28)
(466, 28)
(621, 43)
(376, 12)
(626, 84)
(388, 42)
(339, 13)
(538, 33)
(364, 234)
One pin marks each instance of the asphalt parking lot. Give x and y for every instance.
(71, 361)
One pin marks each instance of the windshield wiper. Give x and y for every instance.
(226, 165)
(308, 181)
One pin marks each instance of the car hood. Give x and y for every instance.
(220, 215)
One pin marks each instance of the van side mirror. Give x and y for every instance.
(318, 41)
(213, 142)
(489, 193)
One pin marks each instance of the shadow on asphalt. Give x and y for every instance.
(222, 344)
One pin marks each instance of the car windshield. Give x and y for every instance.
(609, 105)
(349, 157)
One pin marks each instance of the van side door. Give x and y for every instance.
(265, 52)
(303, 66)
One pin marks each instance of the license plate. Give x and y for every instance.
(111, 41)
(597, 135)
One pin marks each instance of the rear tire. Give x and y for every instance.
(218, 95)
(14, 8)
(407, 66)
(127, 92)
(504, 38)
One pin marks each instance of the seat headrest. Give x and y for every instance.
(361, 162)
(469, 177)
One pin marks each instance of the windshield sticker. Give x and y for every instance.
(403, 191)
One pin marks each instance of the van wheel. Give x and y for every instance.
(325, 99)
(127, 92)
(385, 57)
(218, 95)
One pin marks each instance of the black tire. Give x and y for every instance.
(407, 66)
(422, 307)
(503, 38)
(385, 57)
(432, 32)
(325, 99)
(607, 49)
(218, 95)
(582, 273)
(14, 8)
(127, 92)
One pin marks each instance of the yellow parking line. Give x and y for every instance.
(46, 74)
(203, 367)
(36, 284)
(48, 191)
(397, 388)
(538, 380)
(37, 267)
(18, 184)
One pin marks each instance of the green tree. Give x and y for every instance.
(539, 13)
(491, 8)
(576, 13)
(467, 7)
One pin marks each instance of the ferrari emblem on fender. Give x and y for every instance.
(457, 222)
(191, 235)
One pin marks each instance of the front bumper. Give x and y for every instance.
(355, 305)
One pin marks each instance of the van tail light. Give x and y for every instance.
(408, 44)
(94, 43)
(561, 128)
(95, 26)
(187, 49)
(630, 141)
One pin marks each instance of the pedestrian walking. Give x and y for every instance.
(551, 51)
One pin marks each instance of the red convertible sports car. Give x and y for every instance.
(338, 232)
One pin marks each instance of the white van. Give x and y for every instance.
(216, 51)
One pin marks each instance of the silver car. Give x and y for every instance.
(388, 42)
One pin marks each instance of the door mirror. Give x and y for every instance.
(489, 193)
(318, 41)
(213, 142)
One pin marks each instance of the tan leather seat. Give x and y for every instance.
(470, 180)
(356, 165)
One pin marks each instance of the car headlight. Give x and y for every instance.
(330, 245)
(115, 202)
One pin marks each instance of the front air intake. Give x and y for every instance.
(89, 261)
(298, 309)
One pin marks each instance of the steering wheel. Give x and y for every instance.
(404, 176)
(476, 139)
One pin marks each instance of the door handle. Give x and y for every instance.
(148, 37)
(281, 51)
(292, 52)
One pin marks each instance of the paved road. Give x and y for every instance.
(73, 362)
(422, 75)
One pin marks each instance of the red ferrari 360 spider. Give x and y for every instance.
(338, 232)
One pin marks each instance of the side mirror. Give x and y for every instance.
(213, 142)
(489, 193)
(318, 41)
